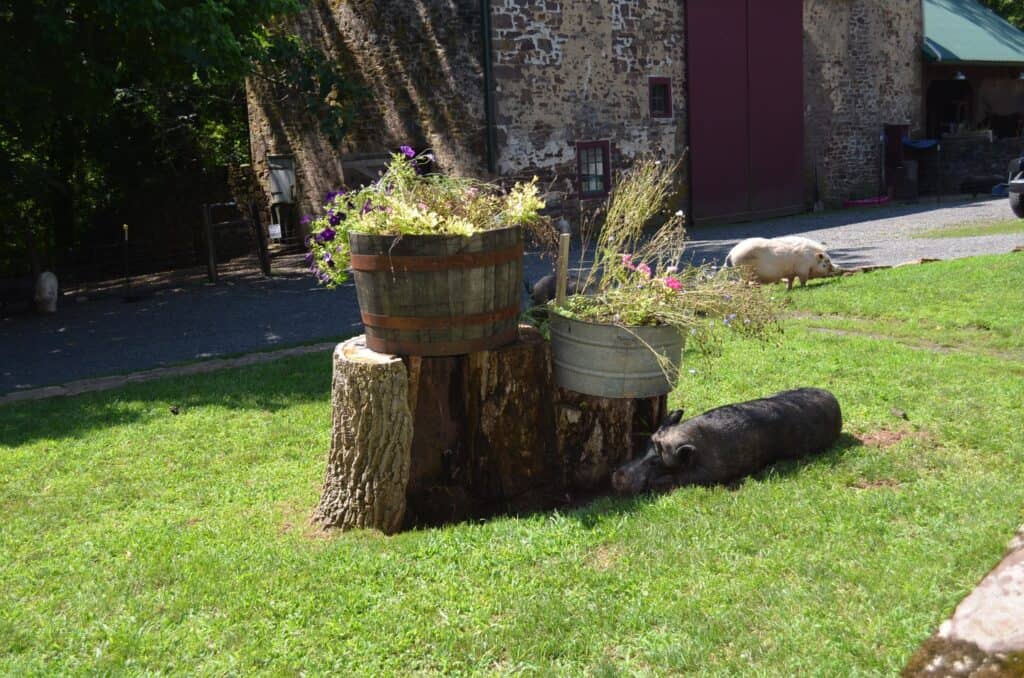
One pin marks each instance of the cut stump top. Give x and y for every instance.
(355, 350)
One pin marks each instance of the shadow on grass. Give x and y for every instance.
(267, 387)
(602, 507)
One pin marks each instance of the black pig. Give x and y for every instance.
(728, 443)
(544, 290)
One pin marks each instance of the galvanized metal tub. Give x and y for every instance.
(615, 362)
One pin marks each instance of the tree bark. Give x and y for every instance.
(597, 435)
(371, 435)
(483, 434)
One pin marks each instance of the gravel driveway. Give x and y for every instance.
(882, 236)
(180, 320)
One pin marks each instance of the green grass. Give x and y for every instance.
(975, 229)
(137, 541)
(978, 301)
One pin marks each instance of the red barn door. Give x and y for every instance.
(745, 61)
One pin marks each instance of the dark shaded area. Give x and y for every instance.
(268, 387)
(423, 65)
(958, 658)
(494, 435)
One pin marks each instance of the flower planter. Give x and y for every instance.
(614, 362)
(438, 295)
(1017, 197)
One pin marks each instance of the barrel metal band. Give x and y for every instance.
(442, 347)
(433, 263)
(391, 322)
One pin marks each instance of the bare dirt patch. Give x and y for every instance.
(604, 557)
(885, 438)
(295, 519)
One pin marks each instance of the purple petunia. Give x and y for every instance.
(331, 195)
(366, 207)
(306, 219)
(326, 235)
(336, 218)
(407, 151)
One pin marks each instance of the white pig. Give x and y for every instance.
(788, 257)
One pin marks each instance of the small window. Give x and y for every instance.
(660, 91)
(594, 168)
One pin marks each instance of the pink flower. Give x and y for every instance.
(627, 261)
(673, 283)
(644, 270)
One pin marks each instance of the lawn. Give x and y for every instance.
(136, 540)
(974, 229)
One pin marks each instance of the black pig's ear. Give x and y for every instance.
(677, 456)
(673, 418)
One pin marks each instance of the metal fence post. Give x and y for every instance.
(211, 255)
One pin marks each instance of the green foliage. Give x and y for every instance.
(1011, 10)
(407, 200)
(136, 541)
(634, 278)
(125, 110)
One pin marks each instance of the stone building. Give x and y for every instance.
(779, 107)
(973, 96)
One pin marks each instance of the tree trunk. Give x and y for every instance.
(371, 435)
(484, 434)
(597, 435)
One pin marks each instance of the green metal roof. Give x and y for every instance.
(965, 32)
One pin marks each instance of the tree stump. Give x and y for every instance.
(371, 438)
(483, 434)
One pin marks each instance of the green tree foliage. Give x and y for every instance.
(1011, 10)
(118, 109)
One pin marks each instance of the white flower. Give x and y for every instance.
(680, 213)
(672, 269)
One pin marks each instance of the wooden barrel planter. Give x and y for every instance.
(438, 295)
(614, 362)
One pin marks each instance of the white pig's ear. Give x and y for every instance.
(673, 418)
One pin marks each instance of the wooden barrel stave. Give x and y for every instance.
(404, 309)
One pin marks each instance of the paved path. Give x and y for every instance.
(178, 318)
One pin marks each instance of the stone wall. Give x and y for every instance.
(971, 163)
(862, 71)
(419, 64)
(578, 71)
